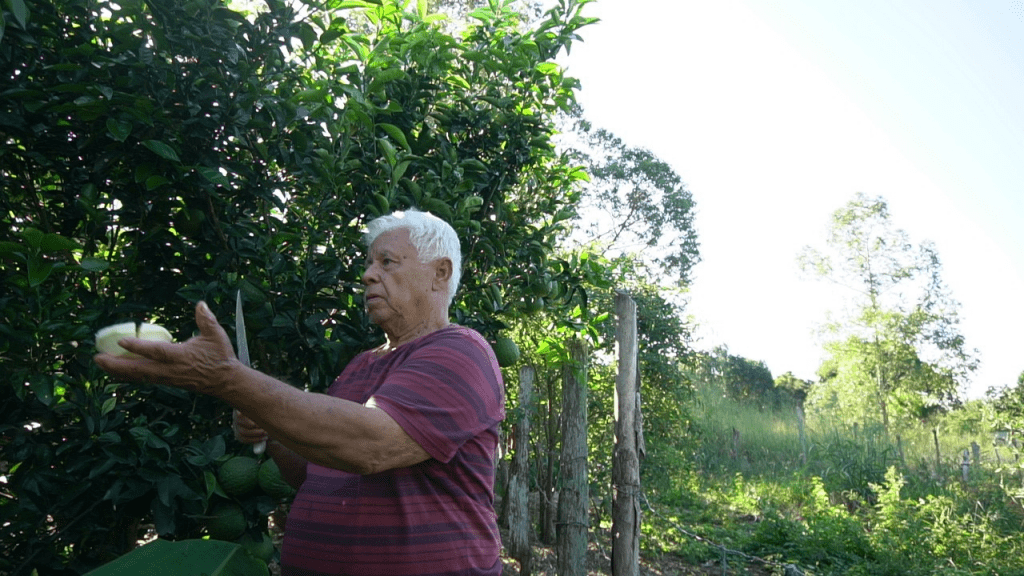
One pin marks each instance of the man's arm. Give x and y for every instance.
(324, 430)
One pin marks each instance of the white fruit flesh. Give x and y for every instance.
(107, 338)
(154, 332)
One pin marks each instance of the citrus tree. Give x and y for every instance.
(157, 153)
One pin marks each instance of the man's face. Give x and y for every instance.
(398, 286)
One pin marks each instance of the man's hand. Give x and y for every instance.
(246, 431)
(202, 364)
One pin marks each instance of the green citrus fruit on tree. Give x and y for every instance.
(532, 305)
(271, 481)
(226, 521)
(239, 475)
(506, 351)
(262, 549)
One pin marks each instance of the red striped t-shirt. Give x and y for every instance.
(435, 518)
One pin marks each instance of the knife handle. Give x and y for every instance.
(259, 447)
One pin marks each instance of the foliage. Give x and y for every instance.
(901, 346)
(157, 153)
(635, 204)
(186, 557)
(740, 378)
(792, 388)
(854, 508)
(1008, 403)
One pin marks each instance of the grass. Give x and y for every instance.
(848, 501)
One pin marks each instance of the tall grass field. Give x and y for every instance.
(769, 492)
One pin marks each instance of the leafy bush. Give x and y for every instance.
(157, 153)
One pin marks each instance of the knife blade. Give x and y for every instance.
(243, 353)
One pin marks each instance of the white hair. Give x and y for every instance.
(432, 237)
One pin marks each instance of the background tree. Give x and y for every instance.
(900, 345)
(1008, 403)
(635, 204)
(739, 378)
(792, 387)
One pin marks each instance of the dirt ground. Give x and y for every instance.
(598, 561)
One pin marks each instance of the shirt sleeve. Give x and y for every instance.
(446, 392)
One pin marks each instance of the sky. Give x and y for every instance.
(776, 112)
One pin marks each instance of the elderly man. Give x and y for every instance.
(395, 464)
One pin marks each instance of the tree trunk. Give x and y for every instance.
(574, 497)
(626, 459)
(519, 480)
(501, 481)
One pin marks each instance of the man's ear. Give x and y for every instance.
(442, 273)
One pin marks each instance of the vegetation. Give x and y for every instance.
(900, 352)
(157, 153)
(854, 507)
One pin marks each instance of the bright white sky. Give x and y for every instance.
(775, 112)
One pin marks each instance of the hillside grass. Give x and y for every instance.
(850, 500)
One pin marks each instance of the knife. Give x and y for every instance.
(243, 353)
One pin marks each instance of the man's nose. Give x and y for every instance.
(370, 275)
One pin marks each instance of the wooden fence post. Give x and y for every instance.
(626, 459)
(574, 497)
(519, 478)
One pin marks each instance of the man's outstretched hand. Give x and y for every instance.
(201, 364)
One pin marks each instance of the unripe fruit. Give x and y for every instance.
(107, 338)
(506, 351)
(239, 475)
(272, 483)
(226, 522)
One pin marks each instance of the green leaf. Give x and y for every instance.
(211, 557)
(108, 405)
(399, 170)
(20, 12)
(93, 264)
(330, 36)
(110, 437)
(33, 237)
(8, 248)
(211, 483)
(396, 134)
(57, 243)
(162, 150)
(154, 182)
(307, 35)
(43, 389)
(38, 270)
(214, 175)
(390, 154)
(351, 4)
(458, 81)
(119, 129)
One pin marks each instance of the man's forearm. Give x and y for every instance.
(328, 431)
